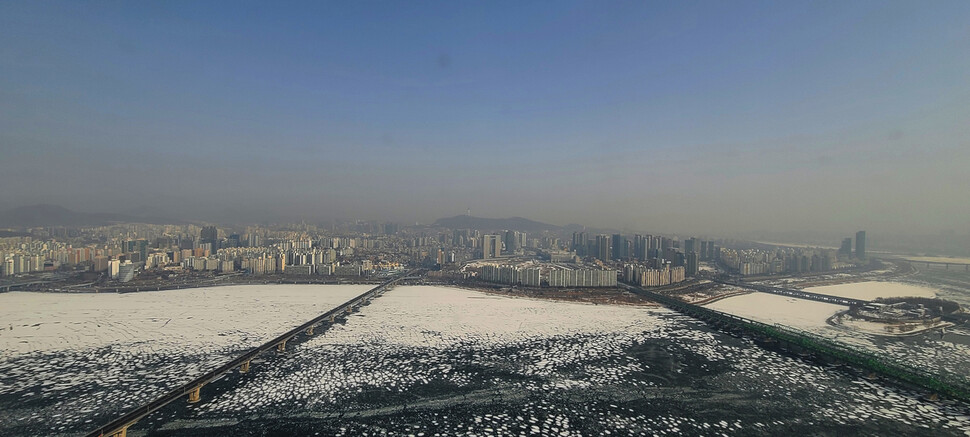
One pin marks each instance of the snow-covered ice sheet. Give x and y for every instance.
(73, 360)
(427, 360)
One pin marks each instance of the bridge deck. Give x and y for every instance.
(801, 294)
(10, 287)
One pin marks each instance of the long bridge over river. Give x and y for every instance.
(956, 317)
(946, 265)
(955, 386)
(193, 389)
(801, 294)
(11, 286)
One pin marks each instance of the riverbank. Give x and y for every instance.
(595, 296)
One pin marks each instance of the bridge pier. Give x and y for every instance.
(333, 318)
(244, 367)
(195, 395)
(350, 309)
(309, 331)
(121, 432)
(281, 346)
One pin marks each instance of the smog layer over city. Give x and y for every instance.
(485, 219)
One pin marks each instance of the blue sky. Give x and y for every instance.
(648, 115)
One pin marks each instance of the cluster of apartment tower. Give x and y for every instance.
(646, 276)
(548, 276)
(511, 241)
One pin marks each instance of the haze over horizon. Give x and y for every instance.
(700, 117)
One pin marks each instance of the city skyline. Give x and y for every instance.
(719, 119)
(48, 217)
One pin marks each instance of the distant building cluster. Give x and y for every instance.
(581, 277)
(646, 249)
(793, 260)
(23, 255)
(18, 263)
(347, 248)
(559, 256)
(508, 243)
(511, 275)
(460, 245)
(754, 262)
(860, 246)
(121, 252)
(653, 276)
(302, 256)
(294, 254)
(124, 252)
(547, 275)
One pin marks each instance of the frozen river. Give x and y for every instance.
(193, 318)
(439, 361)
(71, 361)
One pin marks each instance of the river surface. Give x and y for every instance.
(431, 361)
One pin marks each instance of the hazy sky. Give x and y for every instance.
(715, 116)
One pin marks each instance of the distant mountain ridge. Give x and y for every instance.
(482, 223)
(43, 215)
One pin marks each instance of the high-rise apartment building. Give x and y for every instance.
(690, 245)
(491, 246)
(846, 248)
(603, 247)
(619, 247)
(860, 244)
(210, 234)
(691, 263)
(579, 243)
(514, 241)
